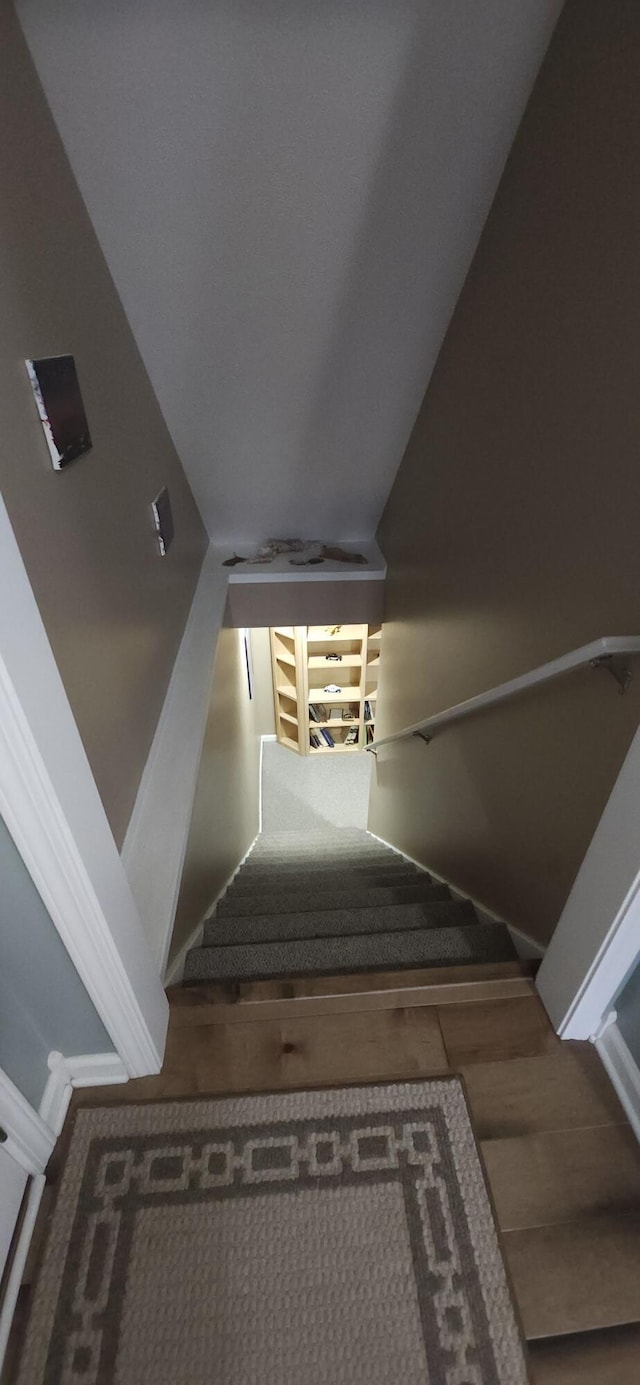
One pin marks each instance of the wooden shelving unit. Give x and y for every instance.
(302, 669)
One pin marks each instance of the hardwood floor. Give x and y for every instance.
(562, 1163)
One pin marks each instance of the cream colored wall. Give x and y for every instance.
(259, 604)
(225, 814)
(262, 681)
(511, 532)
(113, 609)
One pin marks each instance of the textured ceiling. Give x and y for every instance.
(288, 195)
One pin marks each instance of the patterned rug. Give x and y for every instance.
(302, 1238)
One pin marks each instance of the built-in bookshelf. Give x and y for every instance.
(308, 659)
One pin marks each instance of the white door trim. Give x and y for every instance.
(30, 1139)
(623, 1071)
(51, 806)
(597, 939)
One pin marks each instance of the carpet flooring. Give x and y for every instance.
(336, 901)
(288, 1239)
(301, 793)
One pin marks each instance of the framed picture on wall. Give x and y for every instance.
(54, 382)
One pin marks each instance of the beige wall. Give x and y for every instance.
(512, 531)
(113, 609)
(225, 811)
(262, 682)
(304, 603)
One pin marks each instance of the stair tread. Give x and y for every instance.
(269, 865)
(359, 952)
(558, 1176)
(299, 880)
(232, 929)
(422, 892)
(576, 1276)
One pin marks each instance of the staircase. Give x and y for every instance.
(337, 902)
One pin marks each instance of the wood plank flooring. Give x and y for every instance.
(562, 1163)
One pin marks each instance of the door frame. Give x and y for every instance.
(597, 940)
(51, 806)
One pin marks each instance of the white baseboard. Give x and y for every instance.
(81, 1070)
(156, 841)
(175, 972)
(271, 736)
(524, 944)
(623, 1070)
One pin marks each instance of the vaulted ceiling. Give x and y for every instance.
(288, 194)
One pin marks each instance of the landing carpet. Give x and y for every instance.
(302, 1238)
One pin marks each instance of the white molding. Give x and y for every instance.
(175, 972)
(96, 1070)
(14, 1277)
(80, 1070)
(270, 736)
(154, 847)
(605, 1024)
(597, 939)
(57, 1093)
(623, 1071)
(524, 944)
(30, 1139)
(51, 806)
(281, 569)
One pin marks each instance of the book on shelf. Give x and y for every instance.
(348, 714)
(327, 737)
(314, 740)
(317, 711)
(351, 737)
(367, 710)
(370, 733)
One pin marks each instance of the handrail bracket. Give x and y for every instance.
(618, 667)
(422, 736)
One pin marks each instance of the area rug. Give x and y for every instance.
(340, 1237)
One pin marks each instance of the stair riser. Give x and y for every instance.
(326, 956)
(313, 898)
(390, 918)
(293, 882)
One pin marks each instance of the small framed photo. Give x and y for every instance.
(163, 520)
(54, 382)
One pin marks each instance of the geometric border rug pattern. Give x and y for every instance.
(295, 1238)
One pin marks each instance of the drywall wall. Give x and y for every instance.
(289, 195)
(511, 533)
(301, 793)
(225, 814)
(43, 1003)
(628, 1010)
(265, 718)
(305, 603)
(114, 610)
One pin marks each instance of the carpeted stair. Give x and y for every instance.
(337, 902)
